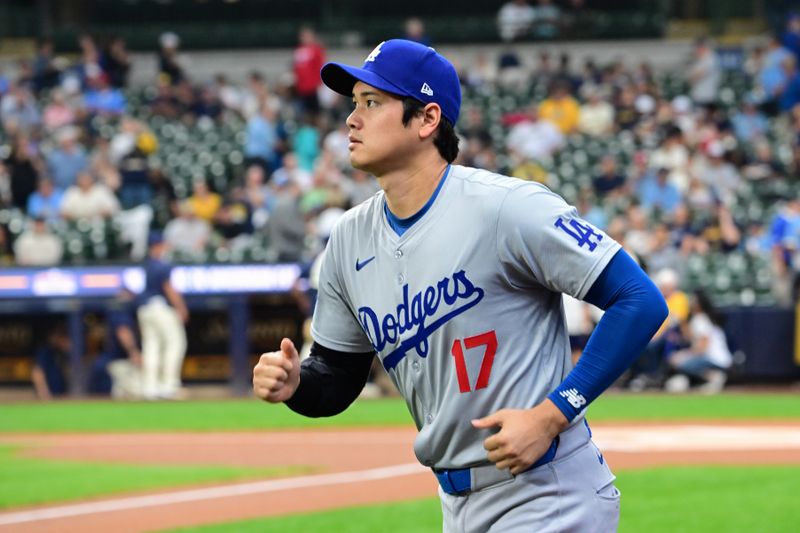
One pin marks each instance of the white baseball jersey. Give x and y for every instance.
(464, 309)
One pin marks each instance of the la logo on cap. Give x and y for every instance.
(426, 89)
(372, 55)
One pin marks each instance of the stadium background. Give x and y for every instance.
(245, 295)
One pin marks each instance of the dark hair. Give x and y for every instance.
(704, 302)
(445, 139)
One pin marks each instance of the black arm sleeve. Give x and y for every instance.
(329, 381)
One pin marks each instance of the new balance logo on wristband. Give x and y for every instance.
(574, 398)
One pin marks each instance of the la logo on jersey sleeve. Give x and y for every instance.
(583, 232)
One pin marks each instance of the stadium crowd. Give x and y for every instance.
(694, 171)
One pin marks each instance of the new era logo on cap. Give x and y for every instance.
(402, 68)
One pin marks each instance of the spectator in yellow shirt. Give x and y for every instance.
(561, 109)
(203, 202)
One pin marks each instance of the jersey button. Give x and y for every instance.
(400, 278)
(429, 418)
(398, 254)
(415, 366)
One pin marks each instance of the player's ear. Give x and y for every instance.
(431, 115)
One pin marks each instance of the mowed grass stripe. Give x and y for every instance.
(663, 500)
(233, 415)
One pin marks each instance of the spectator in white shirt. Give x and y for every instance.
(88, 199)
(37, 246)
(514, 20)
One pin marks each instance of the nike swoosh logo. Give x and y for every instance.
(600, 458)
(362, 264)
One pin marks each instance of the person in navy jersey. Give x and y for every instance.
(51, 363)
(117, 371)
(162, 314)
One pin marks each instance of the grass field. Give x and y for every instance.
(689, 500)
(669, 500)
(27, 481)
(254, 415)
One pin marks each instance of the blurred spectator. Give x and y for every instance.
(23, 168)
(609, 182)
(165, 201)
(674, 156)
(256, 95)
(360, 187)
(415, 31)
(533, 139)
(763, 164)
(515, 19)
(625, 113)
(45, 73)
(720, 233)
(58, 113)
(708, 357)
(547, 20)
(705, 74)
(306, 142)
(718, 173)
(561, 108)
(203, 202)
(789, 93)
(791, 36)
(116, 63)
(291, 171)
(257, 194)
(234, 221)
(749, 124)
(68, 159)
(170, 69)
(596, 116)
(286, 227)
(309, 57)
(771, 76)
(589, 210)
(637, 238)
(578, 315)
(129, 150)
(650, 368)
(188, 235)
(88, 199)
(37, 246)
(663, 254)
(46, 201)
(51, 364)
(18, 110)
(657, 193)
(261, 139)
(100, 97)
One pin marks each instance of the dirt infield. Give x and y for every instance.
(349, 467)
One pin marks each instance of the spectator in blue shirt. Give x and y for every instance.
(66, 161)
(749, 123)
(46, 201)
(261, 139)
(50, 365)
(656, 192)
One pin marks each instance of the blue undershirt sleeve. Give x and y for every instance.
(634, 310)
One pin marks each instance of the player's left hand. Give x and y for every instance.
(524, 436)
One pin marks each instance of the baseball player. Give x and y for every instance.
(453, 276)
(162, 314)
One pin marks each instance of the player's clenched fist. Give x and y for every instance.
(277, 374)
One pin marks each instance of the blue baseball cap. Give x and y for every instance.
(403, 68)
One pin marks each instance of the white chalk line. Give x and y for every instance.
(193, 495)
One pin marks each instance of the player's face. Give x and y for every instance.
(379, 143)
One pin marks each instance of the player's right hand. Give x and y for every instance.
(277, 374)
